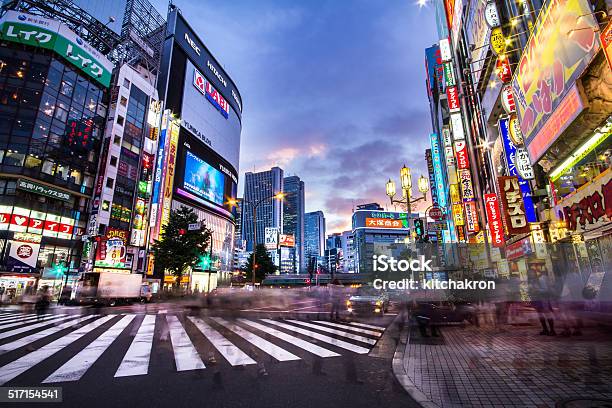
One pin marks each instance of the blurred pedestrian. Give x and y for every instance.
(336, 297)
(42, 303)
(540, 294)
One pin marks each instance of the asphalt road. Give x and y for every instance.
(174, 355)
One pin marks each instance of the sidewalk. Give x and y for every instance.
(512, 366)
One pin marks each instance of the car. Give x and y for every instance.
(368, 300)
(445, 312)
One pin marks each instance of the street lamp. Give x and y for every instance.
(406, 184)
(254, 205)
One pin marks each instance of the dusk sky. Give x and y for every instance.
(333, 91)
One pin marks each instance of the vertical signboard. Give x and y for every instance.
(437, 165)
(471, 217)
(512, 205)
(510, 154)
(432, 178)
(496, 227)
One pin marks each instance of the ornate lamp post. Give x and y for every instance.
(406, 184)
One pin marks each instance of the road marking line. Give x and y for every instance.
(186, 356)
(78, 365)
(334, 331)
(29, 320)
(8, 320)
(136, 359)
(326, 339)
(32, 325)
(24, 341)
(230, 352)
(312, 348)
(262, 344)
(21, 365)
(367, 326)
(352, 328)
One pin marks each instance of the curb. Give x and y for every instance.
(399, 371)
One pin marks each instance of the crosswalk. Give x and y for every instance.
(78, 342)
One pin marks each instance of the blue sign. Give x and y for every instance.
(432, 178)
(435, 68)
(437, 165)
(510, 150)
(441, 24)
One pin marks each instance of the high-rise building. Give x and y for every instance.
(293, 218)
(259, 188)
(198, 147)
(314, 236)
(339, 249)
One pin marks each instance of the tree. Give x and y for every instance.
(264, 264)
(179, 248)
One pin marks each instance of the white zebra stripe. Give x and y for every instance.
(326, 339)
(32, 326)
(14, 318)
(262, 344)
(367, 326)
(334, 331)
(186, 356)
(231, 353)
(351, 328)
(296, 341)
(24, 341)
(136, 360)
(29, 320)
(21, 365)
(76, 367)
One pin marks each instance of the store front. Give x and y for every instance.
(15, 285)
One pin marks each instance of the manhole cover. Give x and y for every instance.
(585, 403)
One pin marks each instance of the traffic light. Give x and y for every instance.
(419, 228)
(204, 263)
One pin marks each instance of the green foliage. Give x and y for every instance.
(264, 264)
(178, 248)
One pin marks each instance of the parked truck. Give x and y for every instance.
(111, 288)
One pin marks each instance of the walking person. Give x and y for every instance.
(336, 297)
(42, 304)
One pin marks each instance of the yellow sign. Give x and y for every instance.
(169, 180)
(454, 193)
(458, 214)
(498, 41)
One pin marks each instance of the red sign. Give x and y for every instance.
(453, 98)
(513, 206)
(496, 227)
(606, 41)
(502, 68)
(436, 213)
(471, 217)
(286, 240)
(507, 99)
(461, 151)
(211, 93)
(383, 223)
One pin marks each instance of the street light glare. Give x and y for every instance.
(421, 3)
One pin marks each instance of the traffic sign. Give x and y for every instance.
(193, 227)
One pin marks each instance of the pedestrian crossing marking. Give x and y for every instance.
(30, 326)
(24, 341)
(367, 326)
(74, 368)
(312, 348)
(330, 340)
(261, 343)
(8, 320)
(334, 331)
(231, 353)
(347, 327)
(186, 356)
(24, 363)
(136, 359)
(27, 321)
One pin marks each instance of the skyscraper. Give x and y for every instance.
(257, 187)
(314, 236)
(293, 218)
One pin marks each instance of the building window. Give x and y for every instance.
(109, 182)
(126, 83)
(123, 101)
(117, 140)
(113, 161)
(120, 120)
(13, 158)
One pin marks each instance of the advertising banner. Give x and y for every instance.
(496, 227)
(461, 150)
(512, 205)
(510, 154)
(435, 69)
(471, 217)
(478, 32)
(563, 43)
(37, 188)
(20, 219)
(467, 189)
(606, 41)
(379, 219)
(51, 34)
(456, 122)
(112, 249)
(458, 214)
(23, 256)
(432, 178)
(437, 165)
(286, 240)
(453, 99)
(169, 175)
(271, 237)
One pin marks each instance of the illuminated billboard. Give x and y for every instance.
(201, 179)
(380, 219)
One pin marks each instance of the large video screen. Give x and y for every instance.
(202, 179)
